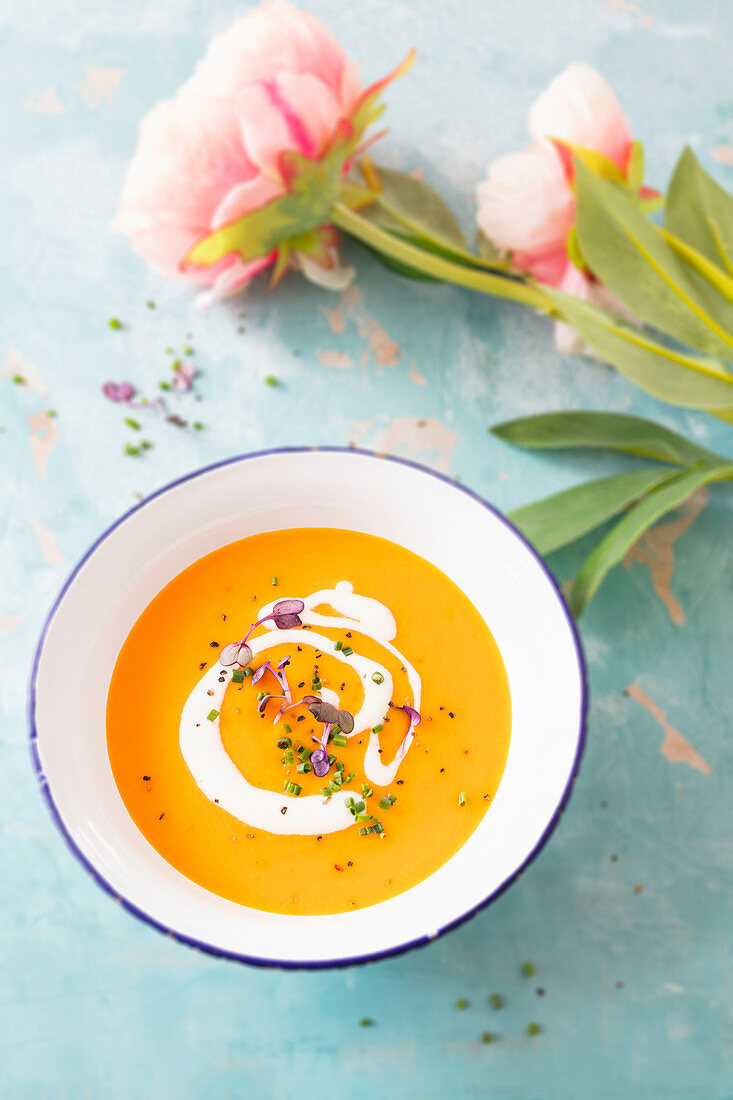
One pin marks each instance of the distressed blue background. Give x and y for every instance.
(96, 1004)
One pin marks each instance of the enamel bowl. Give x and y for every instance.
(417, 508)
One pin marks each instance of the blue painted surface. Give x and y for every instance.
(96, 1004)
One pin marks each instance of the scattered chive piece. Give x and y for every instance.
(377, 729)
(340, 739)
(291, 788)
(132, 423)
(363, 831)
(274, 581)
(249, 672)
(18, 380)
(462, 798)
(187, 349)
(377, 677)
(145, 444)
(366, 791)
(461, 1003)
(379, 828)
(271, 380)
(260, 695)
(305, 767)
(495, 1000)
(347, 651)
(305, 755)
(176, 364)
(286, 727)
(331, 759)
(392, 798)
(339, 765)
(131, 449)
(385, 804)
(349, 777)
(212, 715)
(326, 791)
(51, 413)
(358, 818)
(150, 303)
(528, 969)
(198, 425)
(288, 758)
(283, 743)
(487, 1037)
(339, 645)
(366, 1021)
(164, 385)
(533, 1029)
(114, 323)
(238, 676)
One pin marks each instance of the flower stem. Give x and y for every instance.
(436, 266)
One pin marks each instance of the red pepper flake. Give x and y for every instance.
(337, 867)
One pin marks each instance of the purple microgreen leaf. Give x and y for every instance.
(284, 663)
(260, 672)
(262, 703)
(345, 721)
(413, 715)
(285, 622)
(319, 760)
(118, 391)
(288, 607)
(236, 653)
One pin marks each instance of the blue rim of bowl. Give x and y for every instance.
(321, 964)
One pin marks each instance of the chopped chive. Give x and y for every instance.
(304, 754)
(377, 677)
(131, 449)
(363, 831)
(238, 676)
(271, 380)
(385, 804)
(249, 672)
(338, 779)
(292, 788)
(150, 303)
(359, 807)
(304, 767)
(212, 715)
(379, 828)
(114, 323)
(51, 413)
(331, 759)
(326, 791)
(286, 727)
(198, 425)
(366, 791)
(145, 445)
(340, 739)
(462, 798)
(169, 351)
(347, 651)
(495, 1000)
(528, 969)
(260, 695)
(18, 380)
(274, 581)
(392, 798)
(366, 1021)
(132, 423)
(283, 743)
(288, 758)
(533, 1029)
(358, 818)
(487, 1037)
(339, 765)
(461, 1003)
(164, 385)
(349, 777)
(187, 349)
(176, 364)
(377, 729)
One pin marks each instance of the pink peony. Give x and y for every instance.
(526, 204)
(275, 82)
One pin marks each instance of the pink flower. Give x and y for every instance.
(274, 84)
(526, 205)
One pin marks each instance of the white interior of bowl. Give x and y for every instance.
(352, 490)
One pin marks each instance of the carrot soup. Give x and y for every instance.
(308, 721)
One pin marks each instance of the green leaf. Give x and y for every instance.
(409, 204)
(607, 431)
(564, 517)
(700, 212)
(611, 549)
(701, 265)
(629, 255)
(666, 373)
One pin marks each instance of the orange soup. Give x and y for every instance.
(332, 755)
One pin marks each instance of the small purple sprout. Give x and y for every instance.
(119, 391)
(326, 712)
(236, 653)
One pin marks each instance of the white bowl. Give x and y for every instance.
(321, 487)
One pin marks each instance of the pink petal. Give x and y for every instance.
(245, 197)
(525, 204)
(234, 278)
